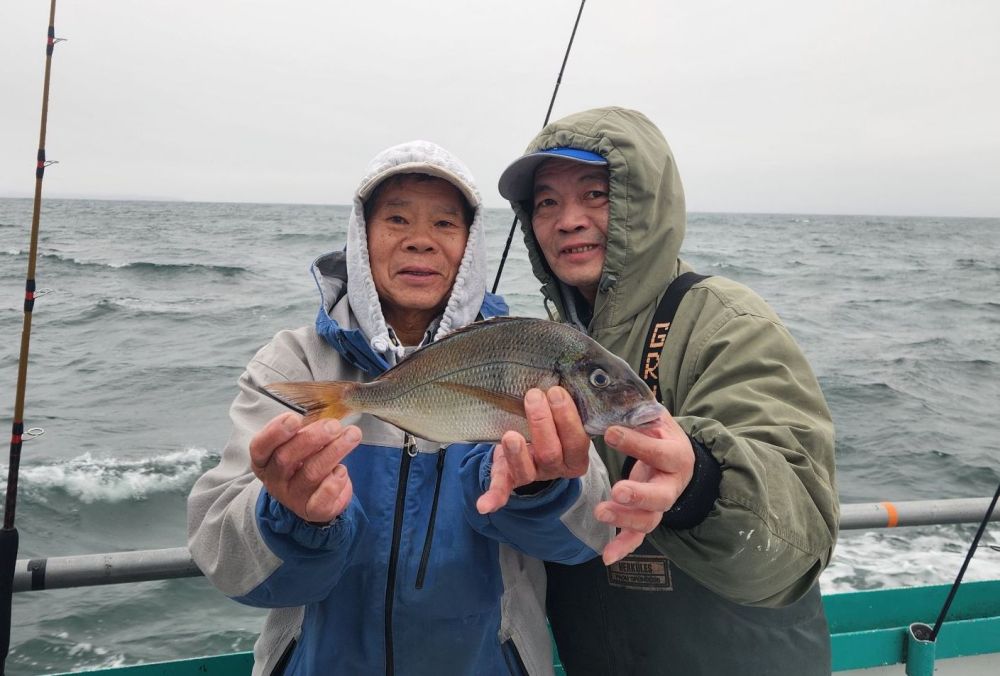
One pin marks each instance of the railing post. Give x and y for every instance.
(920, 650)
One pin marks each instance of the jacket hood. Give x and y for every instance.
(416, 157)
(338, 324)
(647, 212)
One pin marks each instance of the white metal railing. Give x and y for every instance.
(60, 572)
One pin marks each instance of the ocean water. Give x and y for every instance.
(155, 308)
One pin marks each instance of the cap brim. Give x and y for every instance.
(517, 182)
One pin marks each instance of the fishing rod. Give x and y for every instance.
(513, 224)
(965, 564)
(8, 535)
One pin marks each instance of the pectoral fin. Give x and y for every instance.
(505, 402)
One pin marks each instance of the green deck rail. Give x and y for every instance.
(867, 629)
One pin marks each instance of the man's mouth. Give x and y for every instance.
(581, 248)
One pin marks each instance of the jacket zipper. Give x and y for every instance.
(426, 555)
(409, 450)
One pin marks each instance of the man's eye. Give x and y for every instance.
(547, 202)
(396, 219)
(597, 194)
(446, 224)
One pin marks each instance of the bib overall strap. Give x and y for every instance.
(660, 325)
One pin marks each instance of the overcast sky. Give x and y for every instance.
(855, 106)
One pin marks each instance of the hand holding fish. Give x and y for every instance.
(560, 448)
(664, 469)
(300, 466)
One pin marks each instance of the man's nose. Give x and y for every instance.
(572, 217)
(420, 238)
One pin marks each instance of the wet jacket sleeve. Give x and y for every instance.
(742, 389)
(251, 547)
(554, 524)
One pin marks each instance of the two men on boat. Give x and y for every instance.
(733, 495)
(371, 557)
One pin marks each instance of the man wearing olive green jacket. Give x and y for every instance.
(732, 495)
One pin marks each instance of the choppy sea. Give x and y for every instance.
(153, 308)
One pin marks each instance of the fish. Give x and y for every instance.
(469, 386)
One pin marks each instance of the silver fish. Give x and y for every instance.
(470, 385)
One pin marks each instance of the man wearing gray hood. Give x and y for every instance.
(364, 541)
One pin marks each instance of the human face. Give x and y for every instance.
(570, 221)
(416, 239)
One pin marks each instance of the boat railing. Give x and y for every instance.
(60, 572)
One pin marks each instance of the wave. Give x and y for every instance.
(92, 479)
(916, 362)
(976, 264)
(877, 559)
(307, 237)
(142, 307)
(146, 266)
(224, 270)
(735, 270)
(40, 653)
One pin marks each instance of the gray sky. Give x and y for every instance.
(856, 106)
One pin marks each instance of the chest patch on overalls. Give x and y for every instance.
(644, 572)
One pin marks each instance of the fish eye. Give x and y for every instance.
(599, 378)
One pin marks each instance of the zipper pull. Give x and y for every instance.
(410, 445)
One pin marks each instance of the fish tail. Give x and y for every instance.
(315, 400)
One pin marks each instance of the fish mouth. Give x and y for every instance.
(645, 414)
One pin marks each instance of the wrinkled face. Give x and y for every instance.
(570, 221)
(417, 233)
(608, 392)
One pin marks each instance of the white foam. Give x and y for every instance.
(95, 658)
(92, 479)
(910, 557)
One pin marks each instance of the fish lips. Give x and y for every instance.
(645, 413)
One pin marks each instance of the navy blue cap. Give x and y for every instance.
(517, 182)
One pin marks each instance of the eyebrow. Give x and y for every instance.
(398, 202)
(597, 176)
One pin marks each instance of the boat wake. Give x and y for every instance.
(928, 555)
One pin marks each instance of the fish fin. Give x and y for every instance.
(481, 324)
(314, 400)
(502, 401)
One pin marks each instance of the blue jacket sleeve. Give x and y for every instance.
(313, 557)
(547, 525)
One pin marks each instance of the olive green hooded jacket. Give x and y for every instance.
(730, 374)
